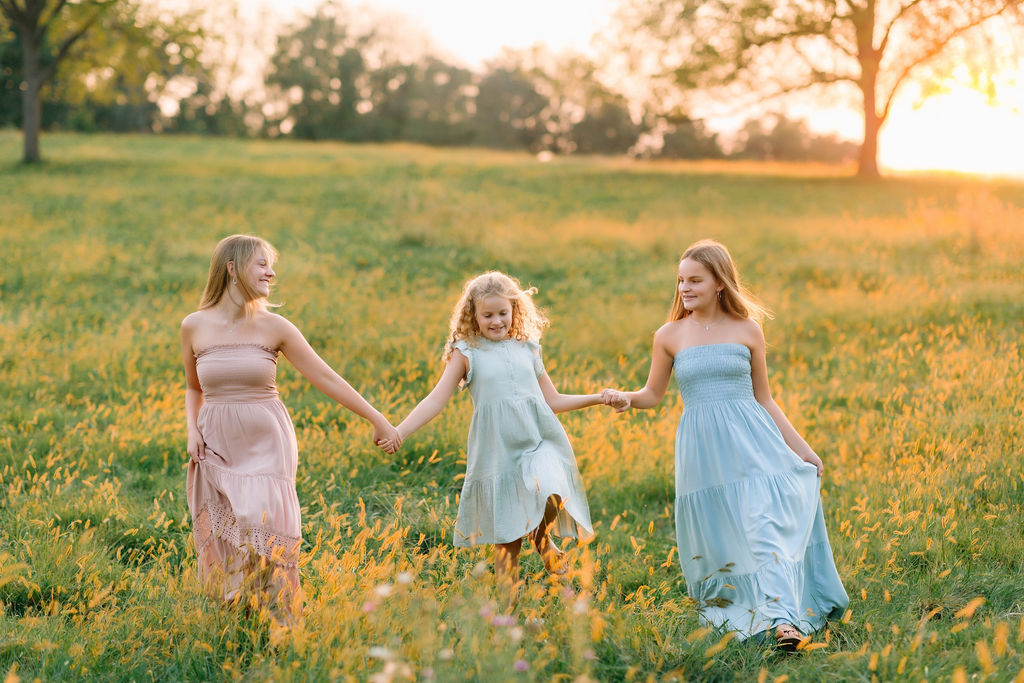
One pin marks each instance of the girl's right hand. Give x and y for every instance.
(387, 437)
(616, 399)
(196, 446)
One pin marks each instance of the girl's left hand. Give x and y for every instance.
(813, 458)
(386, 436)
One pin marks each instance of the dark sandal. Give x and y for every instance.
(788, 638)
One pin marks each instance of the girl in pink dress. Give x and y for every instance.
(241, 443)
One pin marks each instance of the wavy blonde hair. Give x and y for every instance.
(735, 298)
(242, 251)
(528, 321)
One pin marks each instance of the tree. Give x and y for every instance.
(440, 104)
(319, 67)
(780, 138)
(508, 110)
(48, 29)
(584, 115)
(774, 48)
(552, 102)
(109, 52)
(690, 139)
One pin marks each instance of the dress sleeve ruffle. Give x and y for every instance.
(538, 358)
(463, 346)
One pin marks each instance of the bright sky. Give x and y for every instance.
(473, 31)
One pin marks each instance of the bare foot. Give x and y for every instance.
(553, 557)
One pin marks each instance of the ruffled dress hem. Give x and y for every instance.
(515, 509)
(753, 603)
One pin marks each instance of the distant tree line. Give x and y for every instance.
(328, 81)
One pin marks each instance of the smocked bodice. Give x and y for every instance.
(714, 372)
(237, 373)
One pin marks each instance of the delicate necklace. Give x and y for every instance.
(707, 327)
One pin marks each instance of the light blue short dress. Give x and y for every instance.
(751, 535)
(518, 453)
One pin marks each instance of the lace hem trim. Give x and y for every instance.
(217, 521)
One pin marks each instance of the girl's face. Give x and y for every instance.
(259, 273)
(494, 317)
(698, 287)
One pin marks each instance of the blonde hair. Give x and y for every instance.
(240, 250)
(734, 298)
(528, 322)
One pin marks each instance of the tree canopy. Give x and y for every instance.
(770, 48)
(112, 53)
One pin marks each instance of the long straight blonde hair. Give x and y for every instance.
(735, 299)
(242, 251)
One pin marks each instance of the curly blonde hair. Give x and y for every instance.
(528, 321)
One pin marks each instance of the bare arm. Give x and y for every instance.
(657, 378)
(563, 403)
(193, 394)
(763, 395)
(434, 402)
(300, 354)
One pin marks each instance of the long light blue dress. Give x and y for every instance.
(518, 453)
(751, 535)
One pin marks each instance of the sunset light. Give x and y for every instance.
(960, 130)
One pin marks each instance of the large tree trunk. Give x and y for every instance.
(867, 162)
(869, 57)
(31, 108)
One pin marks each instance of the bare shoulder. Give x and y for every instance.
(669, 328)
(668, 331)
(751, 333)
(277, 328)
(192, 322)
(669, 337)
(273, 321)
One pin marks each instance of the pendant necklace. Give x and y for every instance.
(707, 327)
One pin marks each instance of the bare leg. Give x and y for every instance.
(506, 560)
(506, 569)
(546, 548)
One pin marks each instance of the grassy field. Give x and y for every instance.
(896, 351)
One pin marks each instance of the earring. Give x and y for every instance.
(719, 295)
(234, 281)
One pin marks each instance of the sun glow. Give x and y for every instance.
(960, 130)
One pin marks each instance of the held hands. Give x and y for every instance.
(616, 399)
(387, 437)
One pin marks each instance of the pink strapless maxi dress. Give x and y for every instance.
(245, 512)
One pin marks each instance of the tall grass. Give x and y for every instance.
(895, 350)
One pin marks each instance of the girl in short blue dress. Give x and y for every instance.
(749, 525)
(521, 475)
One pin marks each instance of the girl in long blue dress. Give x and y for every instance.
(751, 535)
